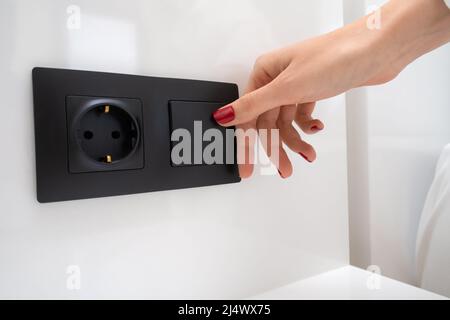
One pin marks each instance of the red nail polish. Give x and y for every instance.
(224, 115)
(315, 128)
(304, 157)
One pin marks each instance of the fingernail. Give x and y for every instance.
(315, 128)
(304, 157)
(224, 115)
(281, 175)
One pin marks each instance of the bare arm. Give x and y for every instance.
(286, 83)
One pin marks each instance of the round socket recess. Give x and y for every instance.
(107, 133)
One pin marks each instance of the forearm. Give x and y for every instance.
(383, 43)
(414, 27)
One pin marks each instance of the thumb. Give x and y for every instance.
(249, 106)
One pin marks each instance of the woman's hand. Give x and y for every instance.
(285, 84)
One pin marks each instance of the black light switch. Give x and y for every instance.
(196, 119)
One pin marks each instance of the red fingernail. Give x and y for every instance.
(315, 128)
(304, 157)
(224, 115)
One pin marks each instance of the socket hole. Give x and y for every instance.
(115, 134)
(88, 135)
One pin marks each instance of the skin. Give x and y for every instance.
(285, 84)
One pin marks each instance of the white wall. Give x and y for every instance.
(408, 128)
(218, 242)
(403, 127)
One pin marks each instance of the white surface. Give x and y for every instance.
(348, 283)
(406, 123)
(408, 127)
(433, 237)
(219, 242)
(357, 160)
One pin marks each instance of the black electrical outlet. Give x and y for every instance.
(103, 134)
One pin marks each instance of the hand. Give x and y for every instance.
(285, 84)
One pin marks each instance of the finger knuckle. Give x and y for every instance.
(264, 123)
(249, 107)
(283, 123)
(260, 62)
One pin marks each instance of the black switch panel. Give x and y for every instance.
(103, 134)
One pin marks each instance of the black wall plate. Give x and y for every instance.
(81, 115)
